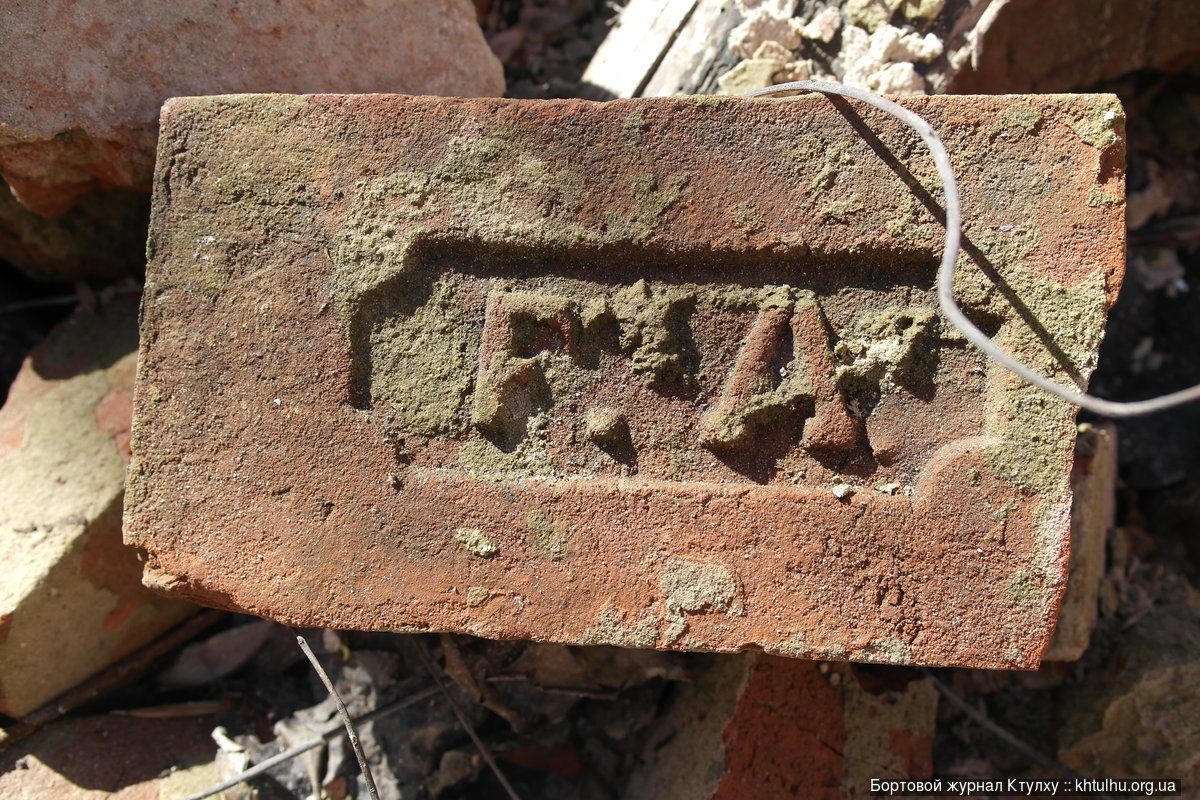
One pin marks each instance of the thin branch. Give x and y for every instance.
(1010, 739)
(330, 733)
(584, 693)
(106, 294)
(427, 662)
(351, 732)
(189, 708)
(41, 302)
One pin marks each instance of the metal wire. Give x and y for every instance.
(331, 732)
(949, 306)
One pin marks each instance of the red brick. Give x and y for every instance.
(760, 727)
(656, 373)
(1017, 49)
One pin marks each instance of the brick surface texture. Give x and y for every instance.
(652, 373)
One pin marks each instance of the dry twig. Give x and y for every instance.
(84, 296)
(1009, 739)
(351, 732)
(427, 662)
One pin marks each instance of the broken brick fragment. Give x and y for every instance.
(756, 726)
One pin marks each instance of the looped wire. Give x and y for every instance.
(949, 306)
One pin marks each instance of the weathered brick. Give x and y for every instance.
(654, 373)
(70, 601)
(755, 726)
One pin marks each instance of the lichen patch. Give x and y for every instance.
(476, 542)
(889, 349)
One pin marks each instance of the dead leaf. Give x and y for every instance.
(553, 666)
(456, 767)
(456, 667)
(218, 656)
(619, 667)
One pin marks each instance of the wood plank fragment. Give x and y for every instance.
(698, 54)
(633, 49)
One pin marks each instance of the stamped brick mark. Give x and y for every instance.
(657, 373)
(603, 370)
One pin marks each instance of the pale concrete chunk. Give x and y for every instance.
(71, 601)
(374, 323)
(1094, 485)
(114, 756)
